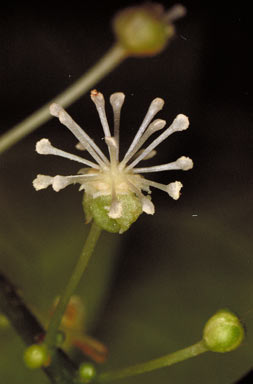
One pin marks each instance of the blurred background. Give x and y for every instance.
(149, 291)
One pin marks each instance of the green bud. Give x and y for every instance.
(223, 332)
(36, 356)
(142, 30)
(86, 372)
(98, 209)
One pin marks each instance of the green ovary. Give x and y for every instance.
(98, 209)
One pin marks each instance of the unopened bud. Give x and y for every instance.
(223, 332)
(143, 30)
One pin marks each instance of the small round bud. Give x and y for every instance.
(142, 30)
(98, 209)
(86, 372)
(36, 356)
(223, 332)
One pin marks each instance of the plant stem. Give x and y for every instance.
(164, 361)
(62, 370)
(105, 65)
(71, 286)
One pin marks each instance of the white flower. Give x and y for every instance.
(108, 175)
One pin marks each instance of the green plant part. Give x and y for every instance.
(36, 356)
(98, 208)
(145, 30)
(86, 373)
(223, 332)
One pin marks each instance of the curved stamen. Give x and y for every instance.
(44, 147)
(183, 163)
(113, 147)
(180, 123)
(57, 111)
(59, 182)
(155, 126)
(173, 189)
(156, 105)
(99, 101)
(117, 100)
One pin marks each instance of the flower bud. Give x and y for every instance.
(86, 372)
(36, 356)
(98, 209)
(223, 332)
(142, 30)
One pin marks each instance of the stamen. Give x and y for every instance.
(59, 182)
(155, 126)
(44, 147)
(99, 101)
(183, 163)
(147, 205)
(180, 123)
(115, 209)
(117, 100)
(173, 189)
(156, 105)
(113, 148)
(57, 111)
(42, 182)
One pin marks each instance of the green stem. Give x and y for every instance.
(62, 369)
(164, 361)
(105, 65)
(50, 339)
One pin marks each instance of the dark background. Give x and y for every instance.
(149, 291)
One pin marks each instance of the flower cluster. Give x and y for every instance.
(109, 177)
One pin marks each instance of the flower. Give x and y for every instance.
(119, 184)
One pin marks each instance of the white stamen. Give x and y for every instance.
(78, 132)
(99, 101)
(113, 148)
(174, 189)
(156, 105)
(180, 123)
(42, 182)
(117, 100)
(155, 126)
(44, 147)
(183, 163)
(147, 205)
(115, 211)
